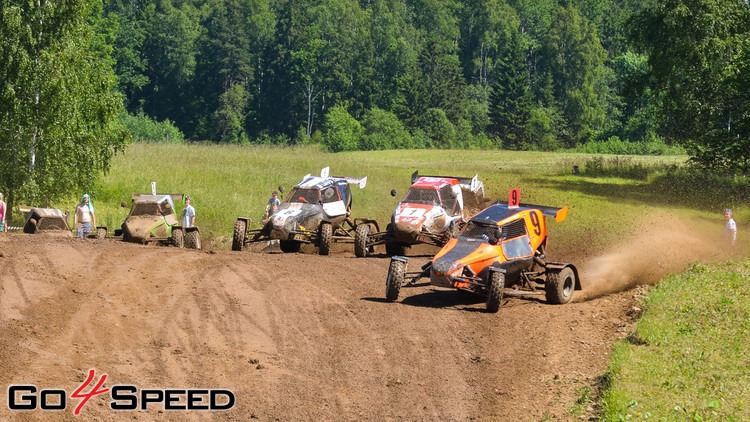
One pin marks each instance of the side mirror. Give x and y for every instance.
(393, 192)
(124, 204)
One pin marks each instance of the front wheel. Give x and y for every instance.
(101, 232)
(559, 286)
(360, 240)
(395, 279)
(495, 291)
(238, 238)
(325, 239)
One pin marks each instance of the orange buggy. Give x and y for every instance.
(501, 250)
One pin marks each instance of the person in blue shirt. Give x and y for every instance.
(273, 205)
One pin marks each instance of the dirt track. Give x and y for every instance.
(294, 336)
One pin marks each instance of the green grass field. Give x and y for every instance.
(693, 363)
(689, 358)
(230, 181)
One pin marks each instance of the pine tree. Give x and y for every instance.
(511, 100)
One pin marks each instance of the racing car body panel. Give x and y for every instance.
(559, 214)
(498, 237)
(433, 205)
(335, 209)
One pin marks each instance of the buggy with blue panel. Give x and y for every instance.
(316, 211)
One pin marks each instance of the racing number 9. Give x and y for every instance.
(514, 198)
(535, 223)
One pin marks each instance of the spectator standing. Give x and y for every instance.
(85, 216)
(730, 228)
(272, 205)
(188, 214)
(3, 224)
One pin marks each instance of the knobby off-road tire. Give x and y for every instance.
(560, 286)
(289, 246)
(495, 291)
(395, 279)
(360, 240)
(178, 238)
(325, 238)
(32, 226)
(238, 239)
(193, 239)
(101, 232)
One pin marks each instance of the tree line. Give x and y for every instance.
(369, 74)
(377, 74)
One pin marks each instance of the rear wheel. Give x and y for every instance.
(360, 240)
(325, 238)
(238, 239)
(289, 246)
(495, 291)
(560, 286)
(395, 279)
(31, 226)
(193, 239)
(178, 238)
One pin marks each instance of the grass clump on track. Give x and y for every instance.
(688, 359)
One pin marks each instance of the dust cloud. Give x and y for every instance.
(661, 246)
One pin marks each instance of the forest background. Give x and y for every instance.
(80, 78)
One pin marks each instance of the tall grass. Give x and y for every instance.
(227, 181)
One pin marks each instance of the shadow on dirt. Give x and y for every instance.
(442, 299)
(458, 299)
(386, 256)
(376, 299)
(434, 299)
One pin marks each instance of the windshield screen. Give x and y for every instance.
(304, 196)
(475, 231)
(422, 196)
(145, 208)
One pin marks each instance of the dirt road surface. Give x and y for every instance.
(293, 336)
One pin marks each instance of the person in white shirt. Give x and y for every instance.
(730, 228)
(188, 214)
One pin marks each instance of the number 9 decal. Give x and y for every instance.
(535, 222)
(514, 198)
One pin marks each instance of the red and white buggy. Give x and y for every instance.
(431, 212)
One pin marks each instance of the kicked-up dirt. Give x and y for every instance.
(293, 336)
